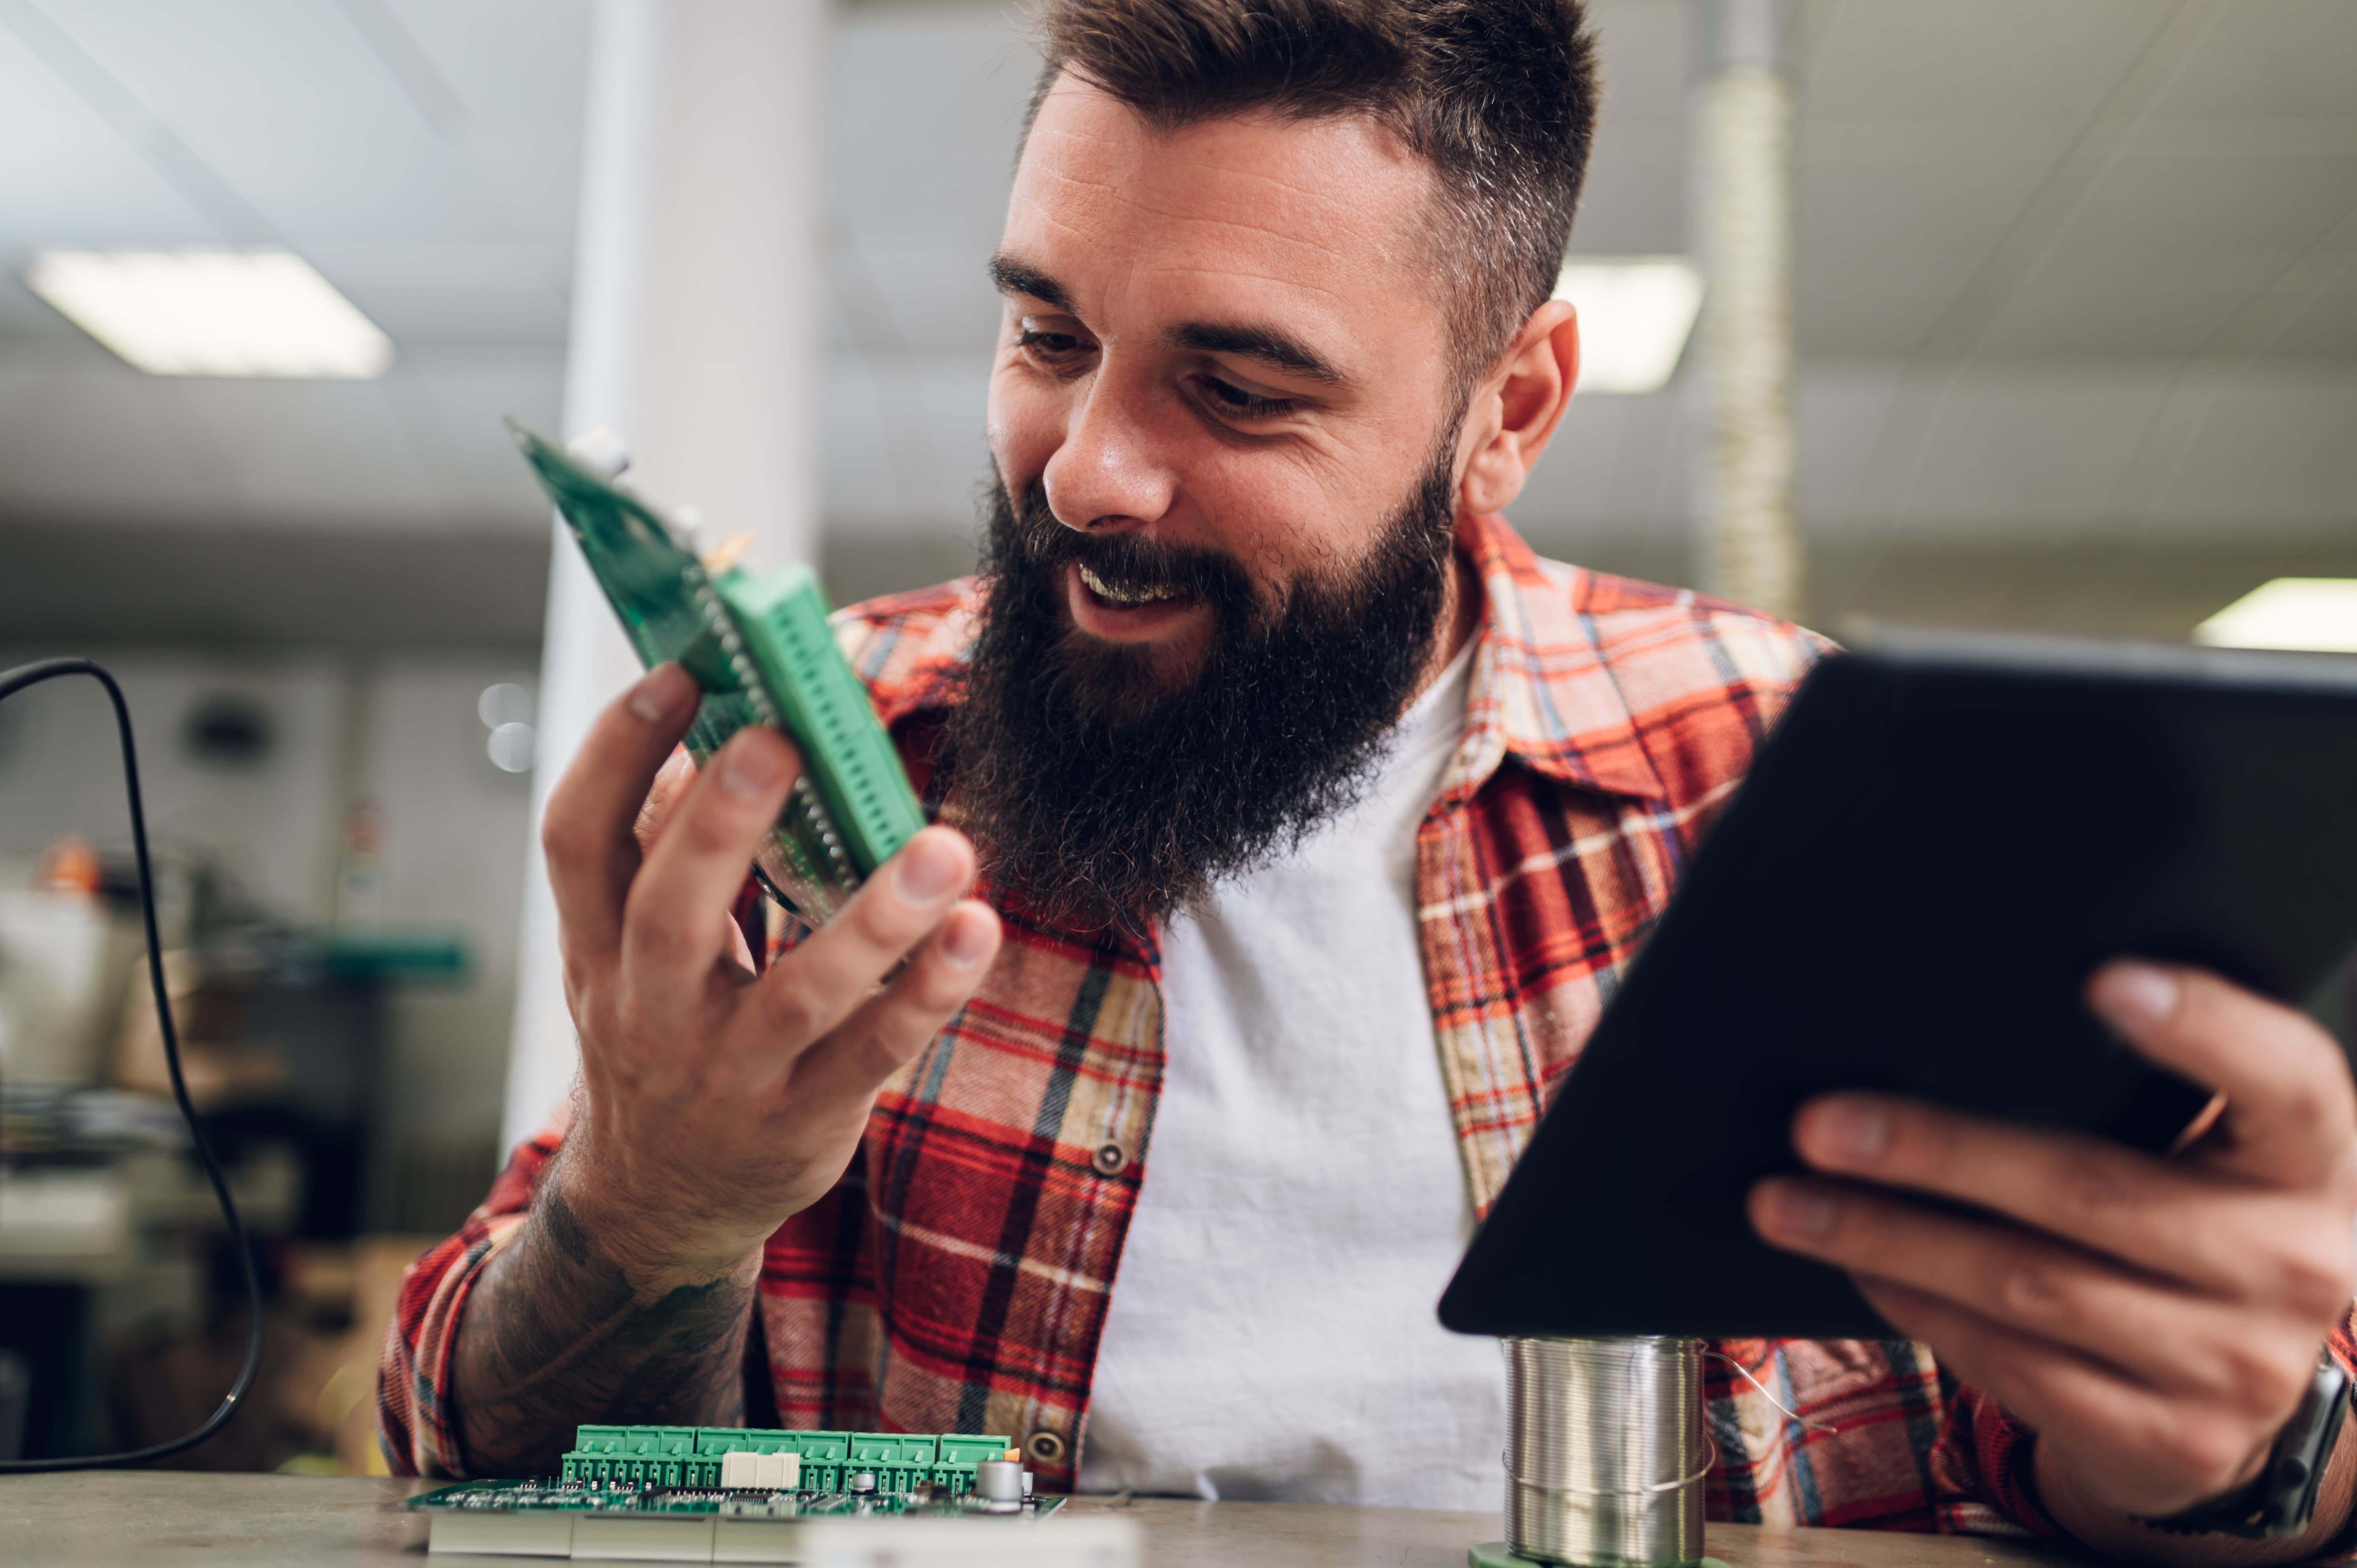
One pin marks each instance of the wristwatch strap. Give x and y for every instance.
(2282, 1502)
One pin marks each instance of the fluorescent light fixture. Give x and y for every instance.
(212, 312)
(2318, 614)
(1634, 315)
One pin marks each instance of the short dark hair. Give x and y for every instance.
(1498, 96)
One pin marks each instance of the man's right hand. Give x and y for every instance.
(716, 1103)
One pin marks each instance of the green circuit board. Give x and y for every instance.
(680, 1502)
(761, 648)
(688, 1493)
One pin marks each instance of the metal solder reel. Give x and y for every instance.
(1606, 1456)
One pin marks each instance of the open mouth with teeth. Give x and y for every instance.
(1128, 597)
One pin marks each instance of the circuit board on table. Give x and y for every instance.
(762, 650)
(731, 1495)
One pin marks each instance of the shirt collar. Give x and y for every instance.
(1543, 692)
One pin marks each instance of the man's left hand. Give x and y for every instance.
(2154, 1320)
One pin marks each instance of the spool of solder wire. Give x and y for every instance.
(1606, 1451)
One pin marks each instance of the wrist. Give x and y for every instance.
(2129, 1535)
(2071, 1506)
(655, 1246)
(2280, 1498)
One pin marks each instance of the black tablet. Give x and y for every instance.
(1936, 847)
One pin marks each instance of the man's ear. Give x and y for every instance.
(1515, 409)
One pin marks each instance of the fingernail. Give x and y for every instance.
(1850, 1131)
(1799, 1212)
(749, 771)
(963, 943)
(656, 695)
(2136, 994)
(929, 868)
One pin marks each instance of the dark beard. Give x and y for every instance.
(1099, 791)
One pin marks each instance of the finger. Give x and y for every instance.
(2177, 1220)
(2167, 1454)
(892, 1026)
(676, 924)
(2290, 1111)
(2166, 1337)
(812, 989)
(670, 789)
(586, 831)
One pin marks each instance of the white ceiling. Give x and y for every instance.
(2070, 268)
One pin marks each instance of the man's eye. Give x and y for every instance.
(1234, 400)
(1047, 345)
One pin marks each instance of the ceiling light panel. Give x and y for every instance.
(2315, 613)
(201, 312)
(1635, 313)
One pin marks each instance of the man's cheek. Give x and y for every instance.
(1024, 425)
(1287, 525)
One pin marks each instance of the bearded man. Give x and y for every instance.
(1314, 818)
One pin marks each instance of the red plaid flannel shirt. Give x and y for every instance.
(956, 1279)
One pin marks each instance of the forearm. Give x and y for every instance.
(2128, 1540)
(557, 1332)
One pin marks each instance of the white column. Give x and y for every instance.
(697, 308)
(1746, 448)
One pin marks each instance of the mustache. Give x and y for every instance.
(1131, 562)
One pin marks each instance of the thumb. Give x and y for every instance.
(669, 786)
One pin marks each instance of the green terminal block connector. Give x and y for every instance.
(783, 621)
(691, 1458)
(761, 648)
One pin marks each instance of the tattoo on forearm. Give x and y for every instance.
(554, 1334)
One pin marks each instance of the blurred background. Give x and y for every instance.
(2076, 326)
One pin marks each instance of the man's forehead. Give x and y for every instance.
(1326, 214)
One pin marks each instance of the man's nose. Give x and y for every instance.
(1109, 472)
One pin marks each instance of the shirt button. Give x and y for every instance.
(1109, 1159)
(1044, 1447)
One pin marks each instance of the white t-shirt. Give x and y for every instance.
(1271, 1333)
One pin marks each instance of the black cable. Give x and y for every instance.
(11, 683)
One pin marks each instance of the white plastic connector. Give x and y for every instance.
(600, 451)
(747, 1471)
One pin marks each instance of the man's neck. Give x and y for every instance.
(1460, 612)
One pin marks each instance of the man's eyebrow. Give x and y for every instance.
(1266, 344)
(1012, 277)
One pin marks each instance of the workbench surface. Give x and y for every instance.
(119, 1518)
